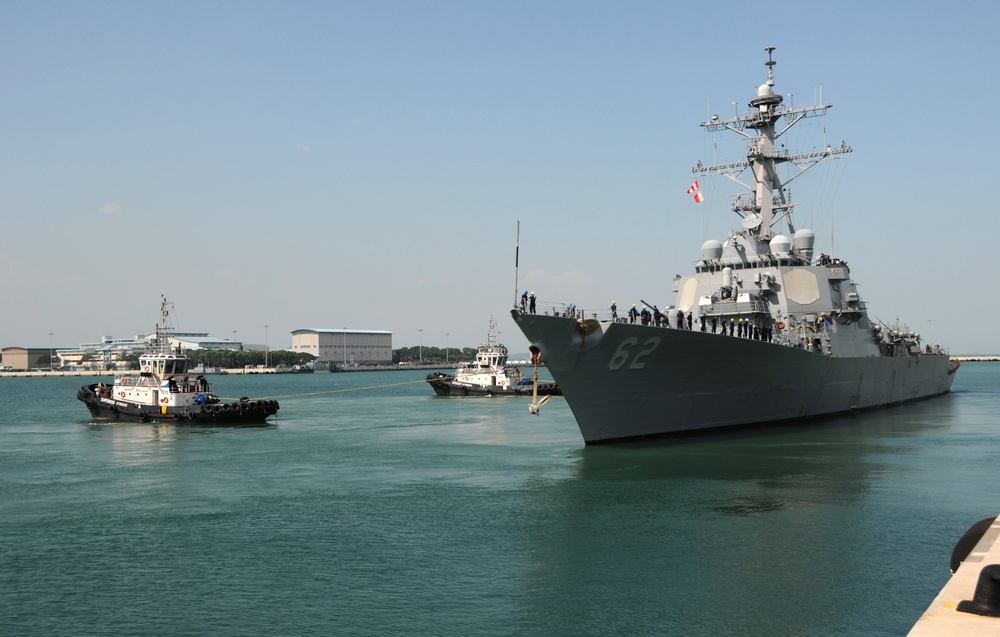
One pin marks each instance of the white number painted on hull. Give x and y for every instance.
(624, 353)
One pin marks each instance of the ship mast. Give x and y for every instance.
(161, 341)
(767, 200)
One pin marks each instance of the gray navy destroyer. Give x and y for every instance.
(796, 341)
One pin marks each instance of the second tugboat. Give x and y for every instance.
(489, 375)
(163, 391)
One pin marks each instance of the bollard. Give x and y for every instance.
(986, 599)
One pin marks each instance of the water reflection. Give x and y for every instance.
(722, 534)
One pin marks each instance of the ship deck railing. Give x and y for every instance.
(799, 338)
(754, 306)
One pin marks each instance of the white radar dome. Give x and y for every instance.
(804, 240)
(711, 250)
(780, 244)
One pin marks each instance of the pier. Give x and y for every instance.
(944, 618)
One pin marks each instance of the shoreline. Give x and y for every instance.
(237, 371)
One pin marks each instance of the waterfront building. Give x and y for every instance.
(344, 346)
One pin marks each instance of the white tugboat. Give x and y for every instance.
(796, 338)
(163, 391)
(489, 375)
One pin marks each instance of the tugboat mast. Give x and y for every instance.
(768, 199)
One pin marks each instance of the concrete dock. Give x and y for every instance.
(942, 618)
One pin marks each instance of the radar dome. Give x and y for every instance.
(711, 250)
(804, 240)
(764, 90)
(780, 244)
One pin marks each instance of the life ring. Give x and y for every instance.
(124, 381)
(122, 394)
(147, 368)
(780, 325)
(164, 400)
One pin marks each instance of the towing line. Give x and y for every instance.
(338, 391)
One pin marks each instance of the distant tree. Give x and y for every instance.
(433, 354)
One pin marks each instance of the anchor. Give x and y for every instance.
(536, 405)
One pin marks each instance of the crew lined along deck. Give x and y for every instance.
(746, 319)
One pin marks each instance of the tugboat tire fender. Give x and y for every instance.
(177, 416)
(143, 416)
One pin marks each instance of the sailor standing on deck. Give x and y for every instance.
(614, 311)
(531, 303)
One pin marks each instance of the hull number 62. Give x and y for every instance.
(633, 355)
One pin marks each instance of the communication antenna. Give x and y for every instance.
(517, 251)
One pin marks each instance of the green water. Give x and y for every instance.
(391, 511)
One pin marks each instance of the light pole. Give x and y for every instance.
(421, 361)
(446, 360)
(50, 351)
(265, 346)
(345, 347)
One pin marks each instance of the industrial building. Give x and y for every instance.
(106, 354)
(344, 346)
(25, 358)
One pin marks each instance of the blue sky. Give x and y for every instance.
(364, 164)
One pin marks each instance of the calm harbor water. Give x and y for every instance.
(391, 511)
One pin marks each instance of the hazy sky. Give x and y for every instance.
(364, 164)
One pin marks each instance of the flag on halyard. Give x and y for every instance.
(695, 189)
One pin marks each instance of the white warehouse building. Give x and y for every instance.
(345, 346)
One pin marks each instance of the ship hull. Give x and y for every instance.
(445, 385)
(244, 412)
(626, 380)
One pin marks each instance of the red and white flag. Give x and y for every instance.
(698, 197)
(693, 187)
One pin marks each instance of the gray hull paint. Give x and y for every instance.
(629, 380)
